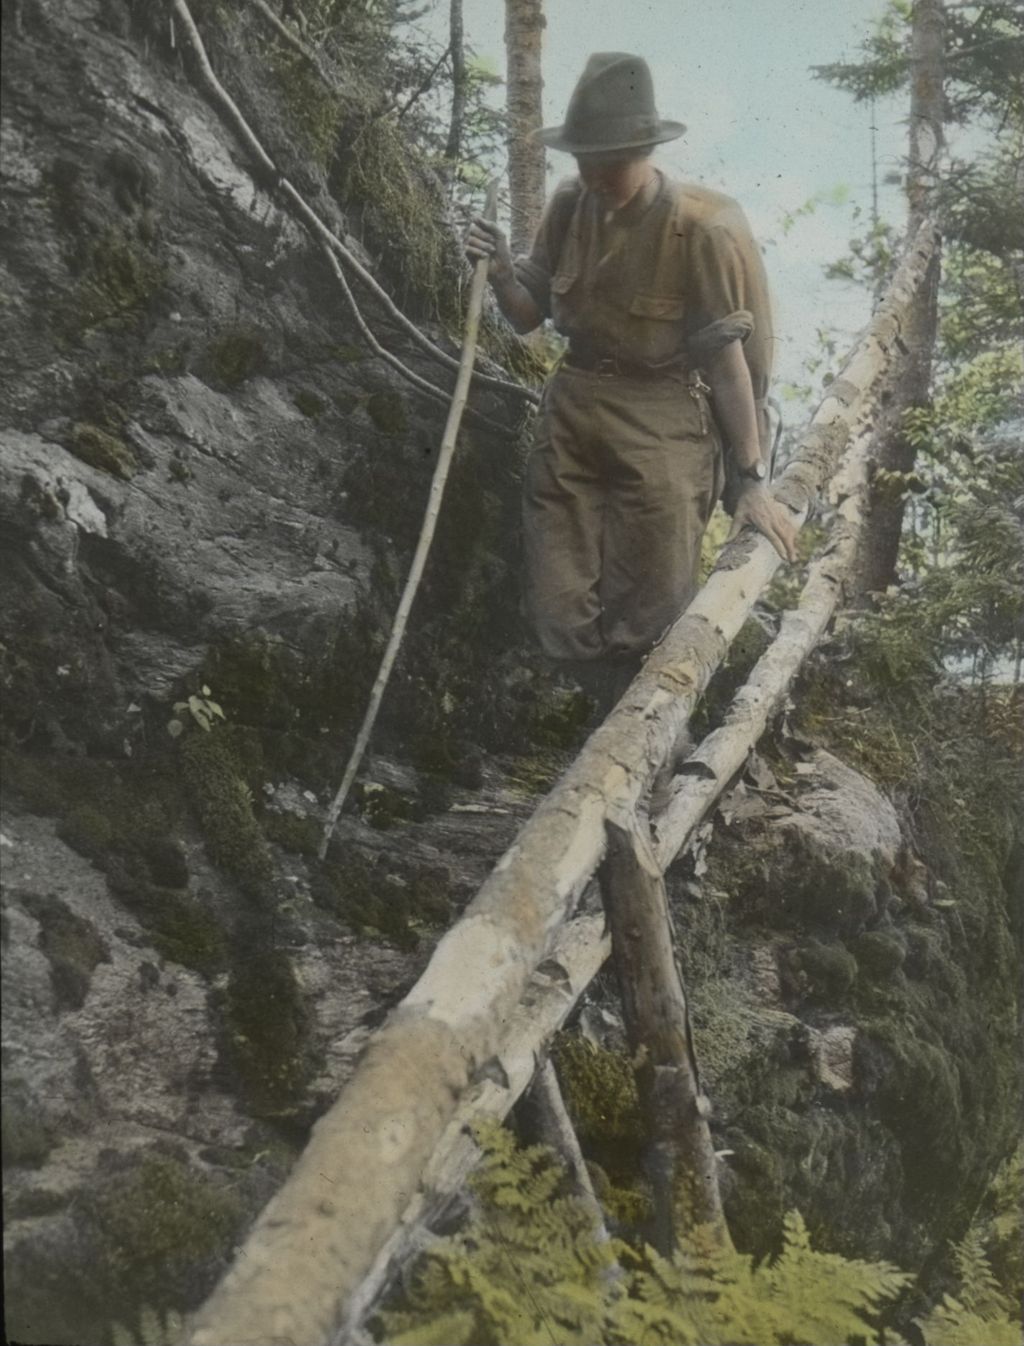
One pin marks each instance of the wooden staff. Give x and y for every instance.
(451, 430)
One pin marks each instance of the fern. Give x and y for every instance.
(532, 1268)
(708, 1294)
(980, 1311)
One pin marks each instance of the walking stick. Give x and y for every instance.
(451, 430)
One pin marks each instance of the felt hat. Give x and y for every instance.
(611, 108)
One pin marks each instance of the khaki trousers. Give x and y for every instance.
(620, 485)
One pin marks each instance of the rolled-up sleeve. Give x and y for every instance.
(535, 268)
(721, 278)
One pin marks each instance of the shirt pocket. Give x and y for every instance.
(667, 308)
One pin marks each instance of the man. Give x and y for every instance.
(657, 286)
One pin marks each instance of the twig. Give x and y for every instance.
(309, 216)
(382, 353)
(424, 84)
(444, 458)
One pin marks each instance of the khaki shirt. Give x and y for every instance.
(675, 276)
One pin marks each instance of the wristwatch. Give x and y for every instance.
(755, 472)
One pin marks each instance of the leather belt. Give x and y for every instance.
(615, 366)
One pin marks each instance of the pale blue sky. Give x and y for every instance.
(760, 127)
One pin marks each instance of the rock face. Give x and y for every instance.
(847, 1010)
(205, 482)
(208, 494)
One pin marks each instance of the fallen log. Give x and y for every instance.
(308, 1252)
(550, 996)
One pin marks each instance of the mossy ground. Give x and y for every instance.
(922, 966)
(266, 1047)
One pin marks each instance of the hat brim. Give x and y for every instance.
(555, 138)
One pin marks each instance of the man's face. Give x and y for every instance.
(608, 174)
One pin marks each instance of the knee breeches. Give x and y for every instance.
(620, 485)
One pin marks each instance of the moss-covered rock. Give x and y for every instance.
(387, 411)
(825, 972)
(104, 451)
(33, 1202)
(214, 771)
(292, 832)
(600, 1089)
(89, 831)
(123, 831)
(879, 953)
(309, 403)
(72, 946)
(266, 1044)
(159, 1230)
(600, 1092)
(121, 276)
(235, 354)
(373, 900)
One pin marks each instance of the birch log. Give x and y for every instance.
(549, 998)
(707, 771)
(317, 1239)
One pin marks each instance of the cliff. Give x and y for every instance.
(209, 490)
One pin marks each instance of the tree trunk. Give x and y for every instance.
(895, 452)
(524, 26)
(453, 147)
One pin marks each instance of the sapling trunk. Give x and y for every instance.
(419, 560)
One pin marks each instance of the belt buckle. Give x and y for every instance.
(607, 367)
